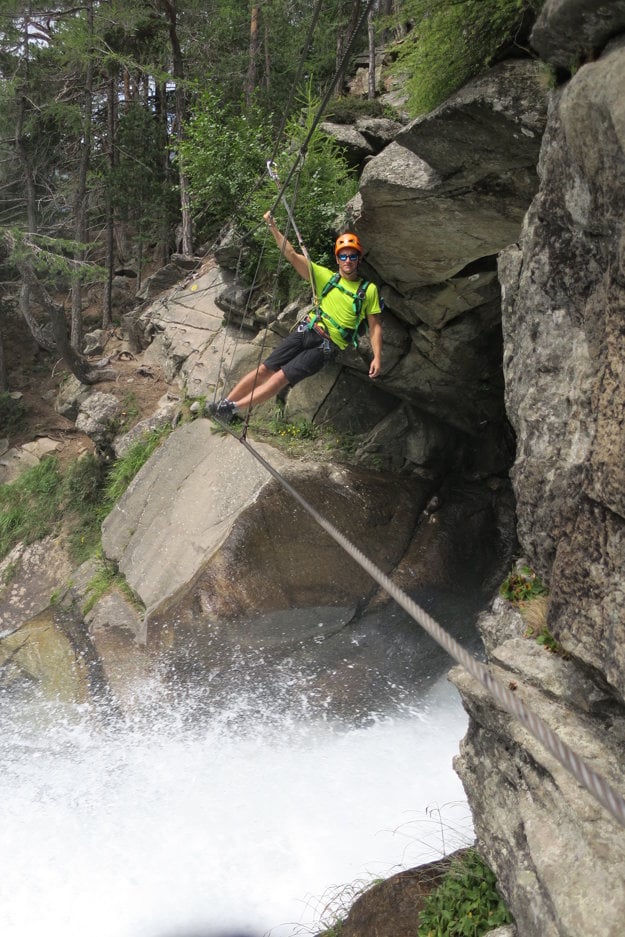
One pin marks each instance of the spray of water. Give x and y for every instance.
(193, 820)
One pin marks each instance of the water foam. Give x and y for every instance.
(176, 824)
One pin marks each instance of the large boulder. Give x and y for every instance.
(467, 171)
(176, 523)
(569, 32)
(235, 572)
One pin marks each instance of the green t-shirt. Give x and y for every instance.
(339, 306)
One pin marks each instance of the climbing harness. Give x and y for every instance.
(316, 316)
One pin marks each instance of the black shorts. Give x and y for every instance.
(301, 354)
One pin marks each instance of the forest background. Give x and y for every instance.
(134, 129)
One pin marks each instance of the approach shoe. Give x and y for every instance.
(226, 411)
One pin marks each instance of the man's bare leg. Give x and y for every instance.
(268, 384)
(252, 379)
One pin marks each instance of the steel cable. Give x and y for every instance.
(590, 779)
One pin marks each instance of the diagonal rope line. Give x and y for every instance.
(591, 780)
(325, 99)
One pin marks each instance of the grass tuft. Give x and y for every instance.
(30, 507)
(46, 500)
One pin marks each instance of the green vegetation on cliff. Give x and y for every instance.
(49, 498)
(454, 40)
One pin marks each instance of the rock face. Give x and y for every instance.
(558, 855)
(466, 184)
(234, 572)
(438, 199)
(211, 544)
(569, 32)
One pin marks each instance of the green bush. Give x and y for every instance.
(452, 41)
(466, 903)
(83, 491)
(317, 194)
(224, 154)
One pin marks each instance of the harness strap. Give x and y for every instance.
(350, 335)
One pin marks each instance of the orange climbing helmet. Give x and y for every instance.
(347, 240)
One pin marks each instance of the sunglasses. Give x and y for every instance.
(352, 257)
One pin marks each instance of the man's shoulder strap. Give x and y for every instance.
(358, 296)
(332, 282)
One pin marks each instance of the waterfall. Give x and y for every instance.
(184, 820)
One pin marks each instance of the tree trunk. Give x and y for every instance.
(27, 314)
(4, 380)
(344, 35)
(107, 305)
(23, 157)
(371, 36)
(254, 51)
(178, 75)
(160, 106)
(78, 365)
(80, 198)
(267, 56)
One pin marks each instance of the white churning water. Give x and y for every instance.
(182, 826)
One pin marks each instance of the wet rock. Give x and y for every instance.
(40, 651)
(526, 804)
(391, 908)
(29, 577)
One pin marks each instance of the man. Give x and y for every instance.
(325, 331)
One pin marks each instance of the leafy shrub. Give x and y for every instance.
(224, 154)
(317, 194)
(452, 41)
(466, 903)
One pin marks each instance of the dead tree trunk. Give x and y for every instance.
(371, 37)
(77, 363)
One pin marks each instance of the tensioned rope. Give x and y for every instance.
(590, 779)
(322, 106)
